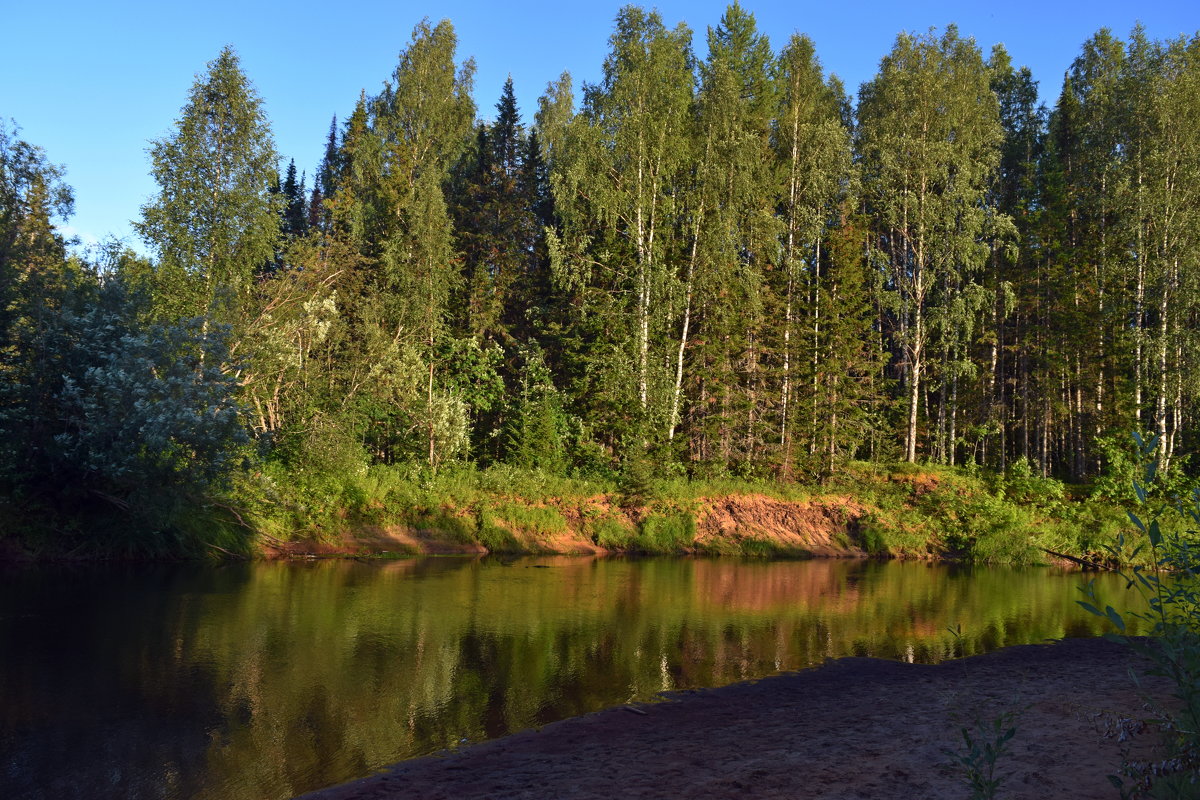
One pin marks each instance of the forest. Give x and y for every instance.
(694, 269)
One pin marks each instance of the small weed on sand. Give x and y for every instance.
(984, 744)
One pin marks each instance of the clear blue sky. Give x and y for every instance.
(92, 83)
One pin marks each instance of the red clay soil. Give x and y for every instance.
(821, 527)
(853, 728)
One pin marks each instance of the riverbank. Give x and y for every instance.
(928, 513)
(853, 728)
(865, 510)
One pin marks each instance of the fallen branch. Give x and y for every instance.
(241, 521)
(1081, 561)
(227, 552)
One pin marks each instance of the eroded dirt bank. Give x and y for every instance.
(853, 728)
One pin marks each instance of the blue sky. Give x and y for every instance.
(93, 83)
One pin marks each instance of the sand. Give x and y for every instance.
(852, 728)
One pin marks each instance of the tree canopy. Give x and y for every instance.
(695, 266)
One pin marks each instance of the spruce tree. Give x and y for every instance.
(295, 213)
(736, 231)
(495, 227)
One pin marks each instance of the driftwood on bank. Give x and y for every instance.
(1083, 562)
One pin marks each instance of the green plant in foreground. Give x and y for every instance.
(984, 745)
(1171, 589)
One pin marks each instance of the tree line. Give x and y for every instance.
(695, 267)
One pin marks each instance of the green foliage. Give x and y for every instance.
(615, 169)
(105, 418)
(611, 533)
(1120, 456)
(1170, 587)
(983, 747)
(670, 532)
(930, 120)
(1023, 486)
(712, 274)
(537, 427)
(494, 200)
(497, 538)
(873, 536)
(983, 528)
(32, 194)
(508, 527)
(215, 221)
(461, 528)
(934, 512)
(637, 480)
(759, 548)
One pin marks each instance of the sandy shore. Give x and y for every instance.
(853, 728)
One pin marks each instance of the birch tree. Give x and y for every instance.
(214, 221)
(422, 120)
(929, 136)
(629, 146)
(1164, 85)
(812, 148)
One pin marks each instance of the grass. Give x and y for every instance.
(666, 533)
(911, 511)
(612, 532)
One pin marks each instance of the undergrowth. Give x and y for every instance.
(1170, 586)
(906, 510)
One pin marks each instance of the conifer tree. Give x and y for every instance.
(1002, 422)
(330, 168)
(495, 226)
(295, 212)
(737, 232)
(532, 297)
(847, 387)
(352, 203)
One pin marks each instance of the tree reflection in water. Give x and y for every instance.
(271, 679)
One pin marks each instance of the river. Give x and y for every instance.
(266, 680)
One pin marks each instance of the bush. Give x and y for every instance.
(106, 418)
(1171, 589)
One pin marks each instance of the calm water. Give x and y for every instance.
(268, 680)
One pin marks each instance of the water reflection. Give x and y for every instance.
(268, 680)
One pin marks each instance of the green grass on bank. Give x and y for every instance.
(912, 511)
(907, 511)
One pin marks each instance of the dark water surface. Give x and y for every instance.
(266, 680)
